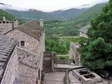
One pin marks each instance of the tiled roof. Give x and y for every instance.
(7, 46)
(31, 28)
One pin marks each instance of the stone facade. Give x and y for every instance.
(25, 65)
(30, 54)
(11, 70)
(73, 53)
(30, 43)
(6, 26)
(28, 67)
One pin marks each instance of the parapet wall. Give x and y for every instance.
(28, 67)
(6, 26)
(11, 69)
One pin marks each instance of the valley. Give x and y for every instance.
(71, 46)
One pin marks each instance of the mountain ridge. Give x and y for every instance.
(37, 14)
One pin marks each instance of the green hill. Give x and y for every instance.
(7, 15)
(88, 14)
(56, 24)
(72, 27)
(36, 14)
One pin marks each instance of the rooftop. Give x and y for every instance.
(31, 28)
(7, 46)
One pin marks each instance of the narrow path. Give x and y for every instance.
(54, 78)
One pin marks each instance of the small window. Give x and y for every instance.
(22, 43)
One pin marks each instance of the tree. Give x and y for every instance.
(97, 53)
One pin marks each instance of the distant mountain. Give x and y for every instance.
(75, 19)
(57, 15)
(74, 14)
(72, 27)
(68, 14)
(88, 14)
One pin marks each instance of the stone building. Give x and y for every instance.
(6, 25)
(29, 50)
(84, 30)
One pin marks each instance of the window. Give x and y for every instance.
(22, 43)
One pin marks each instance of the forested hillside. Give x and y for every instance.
(7, 15)
(98, 48)
(36, 14)
(56, 24)
(72, 27)
(88, 14)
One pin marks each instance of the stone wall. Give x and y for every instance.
(11, 69)
(5, 27)
(73, 53)
(30, 43)
(48, 65)
(29, 66)
(34, 46)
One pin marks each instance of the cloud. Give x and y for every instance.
(50, 5)
(2, 4)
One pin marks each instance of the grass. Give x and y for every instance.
(62, 57)
(75, 39)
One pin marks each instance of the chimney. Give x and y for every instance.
(41, 23)
(4, 19)
(16, 23)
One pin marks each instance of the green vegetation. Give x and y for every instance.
(62, 57)
(60, 28)
(9, 17)
(97, 51)
(55, 45)
(76, 39)
(75, 14)
(6, 14)
(72, 27)
(88, 14)
(61, 23)
(35, 14)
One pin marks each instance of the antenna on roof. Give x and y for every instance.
(4, 18)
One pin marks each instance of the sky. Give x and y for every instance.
(50, 5)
